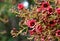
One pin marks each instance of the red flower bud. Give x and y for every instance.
(20, 6)
(32, 32)
(38, 29)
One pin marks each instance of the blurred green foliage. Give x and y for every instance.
(5, 28)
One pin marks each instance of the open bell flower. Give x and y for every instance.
(31, 23)
(58, 33)
(45, 5)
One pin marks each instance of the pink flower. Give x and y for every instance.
(31, 23)
(58, 33)
(45, 5)
(32, 32)
(50, 10)
(20, 6)
(58, 10)
(38, 29)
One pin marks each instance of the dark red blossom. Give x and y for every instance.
(58, 33)
(31, 23)
(20, 6)
(52, 23)
(58, 10)
(50, 10)
(38, 29)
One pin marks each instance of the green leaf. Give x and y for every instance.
(2, 26)
(11, 39)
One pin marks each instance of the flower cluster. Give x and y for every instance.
(42, 20)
